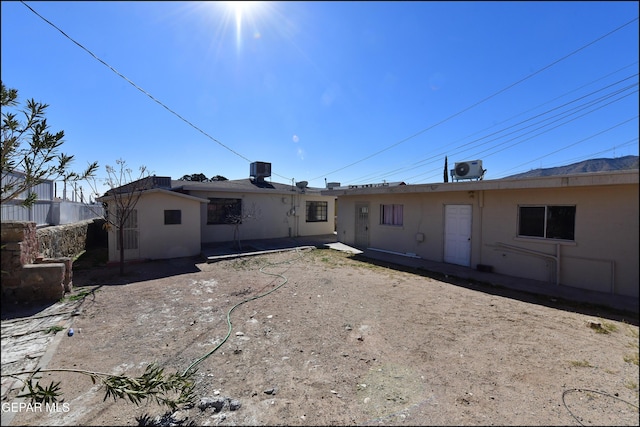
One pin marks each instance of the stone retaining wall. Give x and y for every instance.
(37, 263)
(68, 240)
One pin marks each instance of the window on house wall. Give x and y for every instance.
(224, 211)
(130, 230)
(172, 216)
(547, 222)
(391, 214)
(317, 211)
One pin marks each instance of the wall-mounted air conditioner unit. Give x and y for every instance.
(468, 170)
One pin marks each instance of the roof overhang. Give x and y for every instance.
(558, 181)
(160, 191)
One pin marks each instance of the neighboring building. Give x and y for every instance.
(574, 230)
(47, 209)
(175, 218)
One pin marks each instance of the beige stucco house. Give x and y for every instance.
(176, 218)
(573, 230)
(268, 209)
(164, 224)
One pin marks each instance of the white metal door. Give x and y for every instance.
(457, 234)
(362, 225)
(131, 244)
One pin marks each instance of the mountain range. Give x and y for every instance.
(591, 165)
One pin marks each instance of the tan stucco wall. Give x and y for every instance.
(276, 217)
(604, 256)
(422, 214)
(157, 240)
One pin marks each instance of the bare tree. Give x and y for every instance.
(120, 202)
(238, 218)
(30, 153)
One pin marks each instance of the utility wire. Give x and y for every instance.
(576, 109)
(483, 100)
(437, 156)
(597, 153)
(554, 127)
(629, 142)
(351, 164)
(141, 89)
(550, 129)
(563, 162)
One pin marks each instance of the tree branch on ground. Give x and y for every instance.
(171, 390)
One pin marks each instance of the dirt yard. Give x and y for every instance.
(326, 338)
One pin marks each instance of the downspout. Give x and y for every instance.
(558, 264)
(297, 215)
(481, 206)
(290, 213)
(294, 213)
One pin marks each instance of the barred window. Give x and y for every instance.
(224, 211)
(129, 230)
(317, 211)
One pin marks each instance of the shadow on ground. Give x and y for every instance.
(559, 303)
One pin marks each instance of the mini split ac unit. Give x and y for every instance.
(468, 170)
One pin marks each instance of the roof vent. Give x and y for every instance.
(332, 185)
(260, 170)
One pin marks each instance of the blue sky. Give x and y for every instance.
(350, 92)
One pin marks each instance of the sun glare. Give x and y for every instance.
(242, 10)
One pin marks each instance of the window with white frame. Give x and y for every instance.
(391, 214)
(547, 222)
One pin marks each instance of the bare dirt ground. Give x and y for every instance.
(338, 340)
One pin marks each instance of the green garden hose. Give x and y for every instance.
(285, 280)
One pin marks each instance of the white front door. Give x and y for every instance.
(457, 234)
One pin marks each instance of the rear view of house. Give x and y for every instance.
(175, 218)
(574, 230)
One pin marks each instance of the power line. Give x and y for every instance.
(361, 160)
(565, 113)
(550, 129)
(578, 142)
(141, 89)
(439, 155)
(483, 100)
